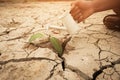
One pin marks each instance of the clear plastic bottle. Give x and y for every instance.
(69, 23)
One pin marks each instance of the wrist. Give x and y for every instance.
(94, 7)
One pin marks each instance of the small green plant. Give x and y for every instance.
(35, 36)
(54, 41)
(56, 45)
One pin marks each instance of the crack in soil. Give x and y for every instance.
(97, 73)
(52, 72)
(78, 72)
(26, 59)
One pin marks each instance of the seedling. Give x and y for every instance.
(56, 45)
(35, 36)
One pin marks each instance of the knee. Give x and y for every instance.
(117, 11)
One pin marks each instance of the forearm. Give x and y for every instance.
(102, 5)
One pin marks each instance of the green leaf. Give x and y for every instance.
(57, 46)
(35, 36)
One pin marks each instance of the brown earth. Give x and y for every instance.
(94, 48)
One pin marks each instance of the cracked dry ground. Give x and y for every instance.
(94, 50)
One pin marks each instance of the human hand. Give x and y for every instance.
(81, 10)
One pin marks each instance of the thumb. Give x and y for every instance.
(73, 5)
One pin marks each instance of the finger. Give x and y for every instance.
(74, 9)
(77, 16)
(80, 19)
(73, 3)
(76, 12)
